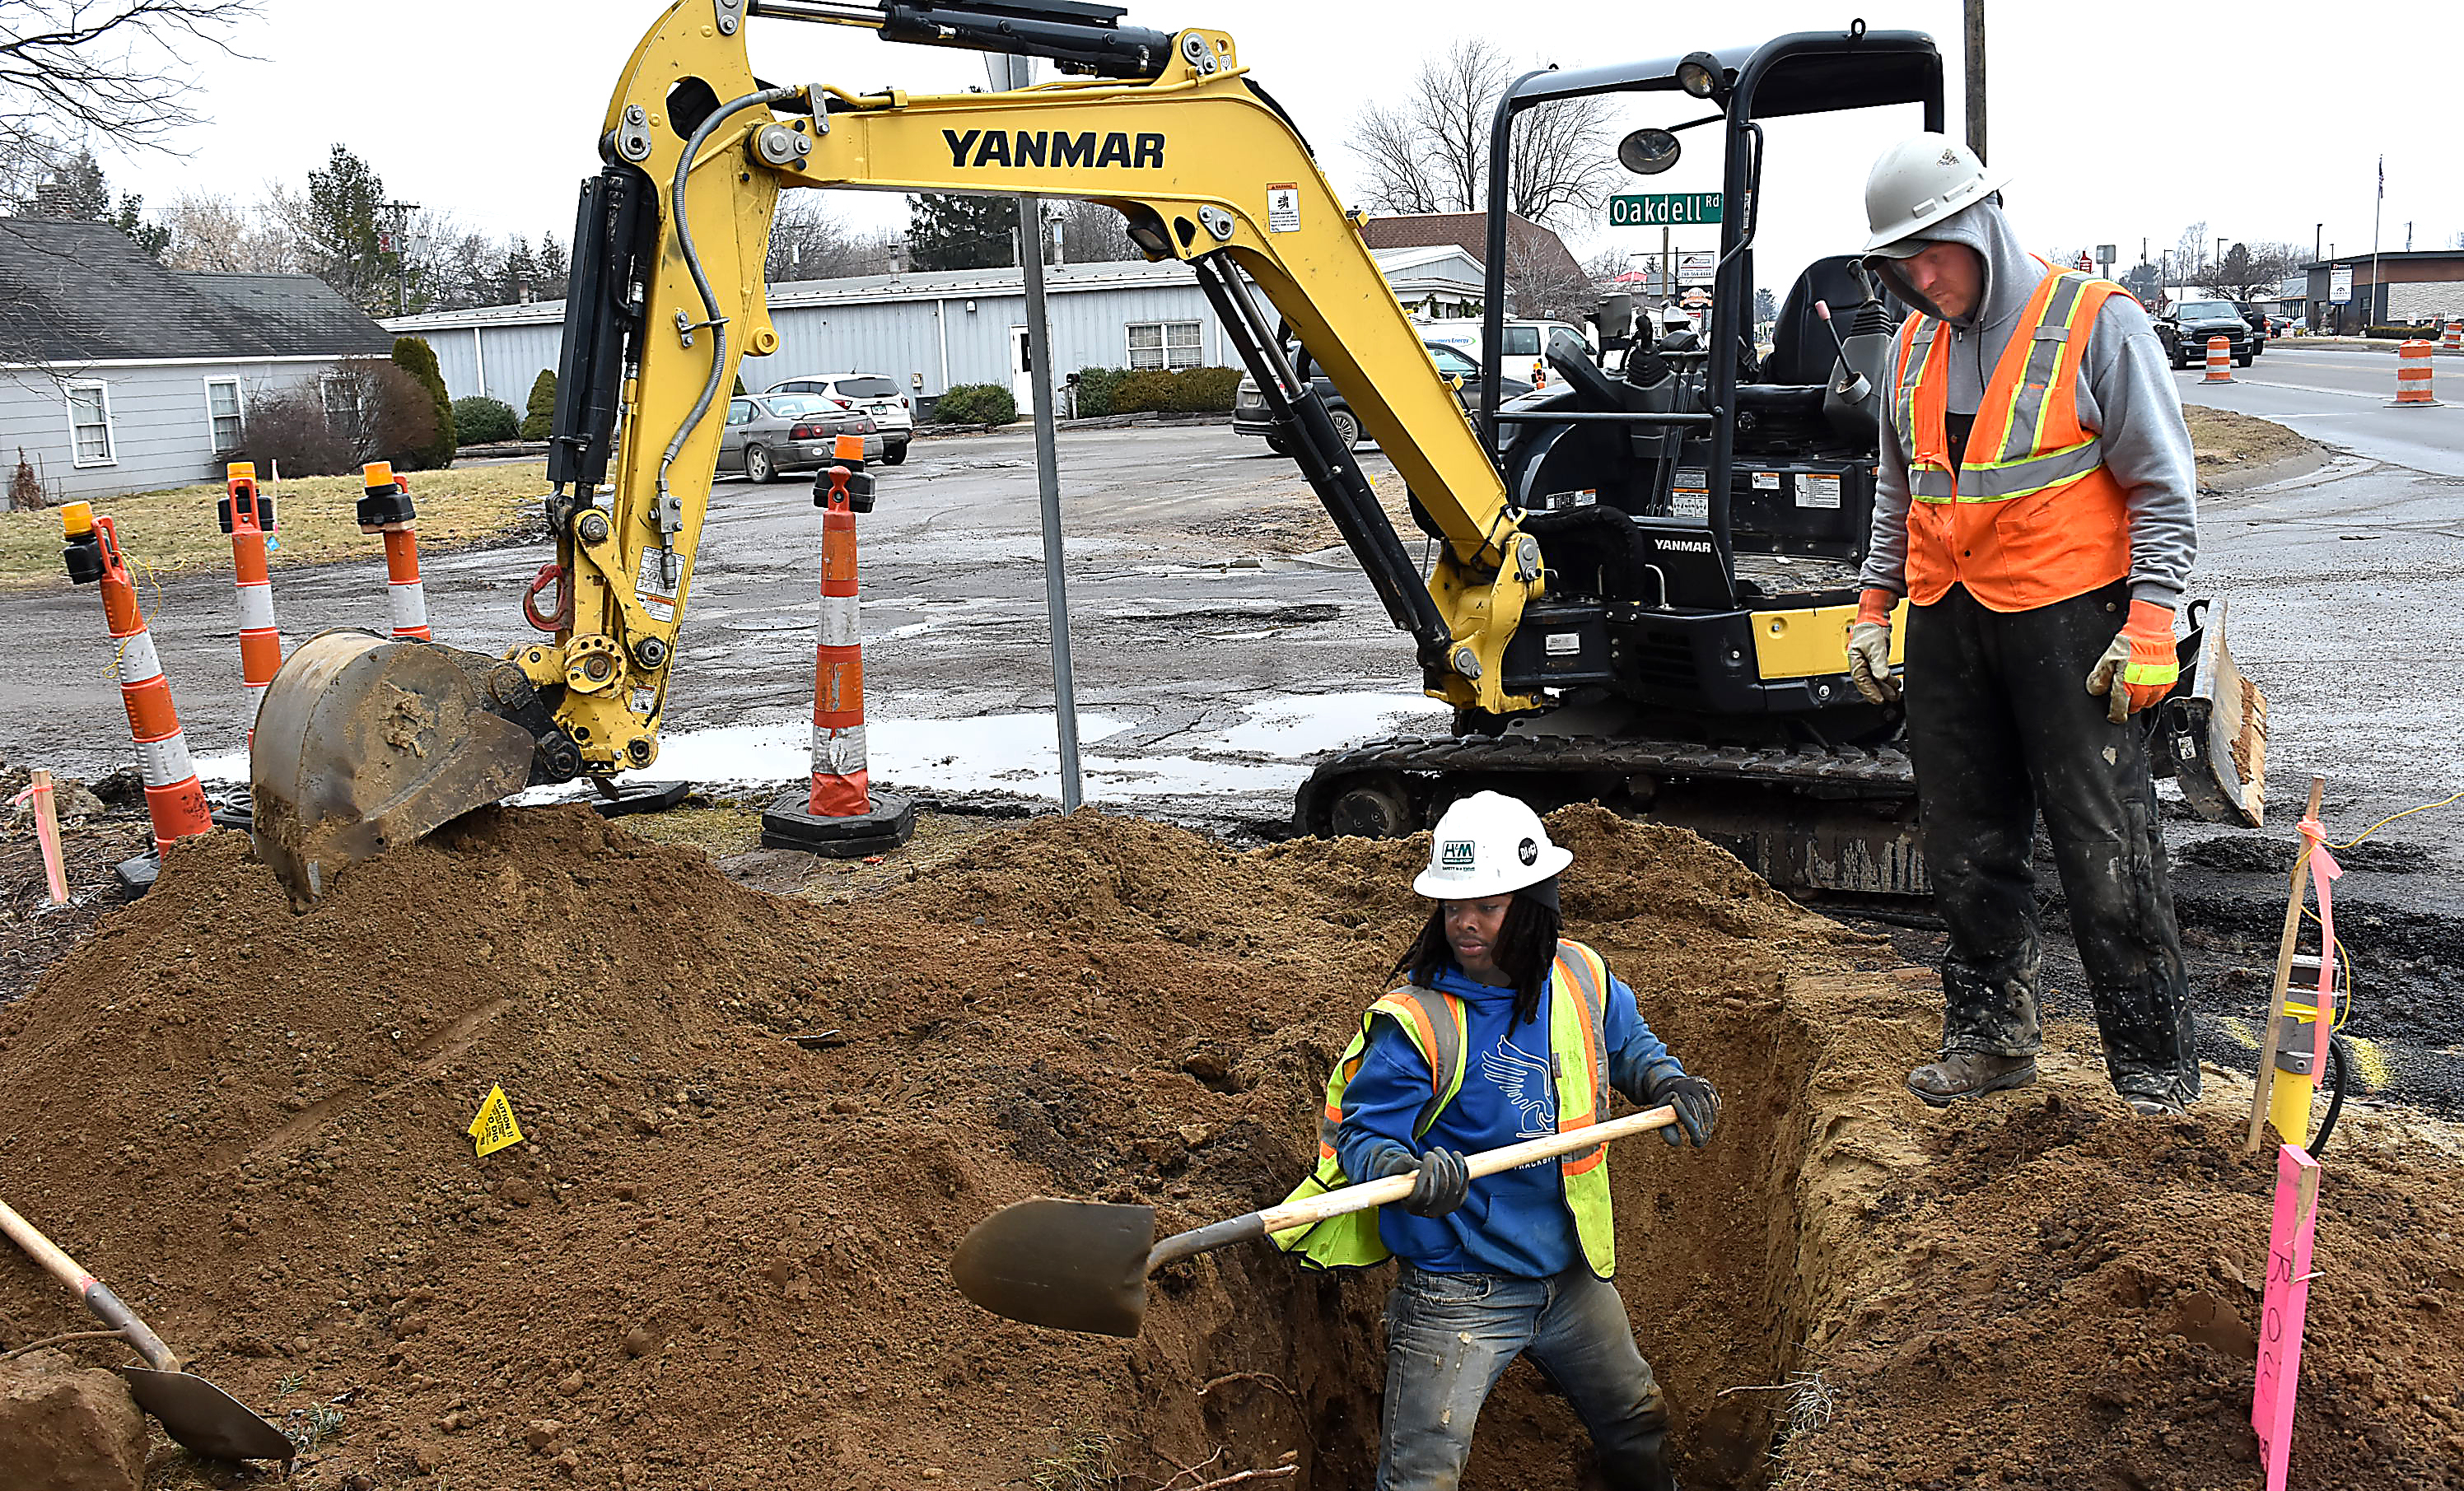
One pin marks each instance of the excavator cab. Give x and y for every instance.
(1705, 514)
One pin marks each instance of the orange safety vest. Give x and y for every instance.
(2030, 515)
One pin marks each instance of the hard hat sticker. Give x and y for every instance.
(1456, 854)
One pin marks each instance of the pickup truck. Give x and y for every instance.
(2185, 326)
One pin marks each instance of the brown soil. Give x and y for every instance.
(2235, 451)
(718, 1260)
(64, 1428)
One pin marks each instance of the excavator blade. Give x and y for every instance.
(364, 743)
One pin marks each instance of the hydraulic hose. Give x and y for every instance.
(2336, 1099)
(715, 322)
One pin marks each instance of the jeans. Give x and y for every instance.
(2001, 728)
(1449, 1337)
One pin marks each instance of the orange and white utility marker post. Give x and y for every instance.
(247, 515)
(2219, 361)
(174, 798)
(2413, 373)
(386, 508)
(840, 815)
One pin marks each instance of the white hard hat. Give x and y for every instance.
(1487, 844)
(1918, 184)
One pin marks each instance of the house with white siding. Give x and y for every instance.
(118, 374)
(931, 330)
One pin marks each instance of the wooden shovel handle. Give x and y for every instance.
(106, 1306)
(1364, 1194)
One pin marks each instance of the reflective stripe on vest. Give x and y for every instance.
(1435, 1023)
(1988, 523)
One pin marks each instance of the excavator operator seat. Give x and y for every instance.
(1802, 348)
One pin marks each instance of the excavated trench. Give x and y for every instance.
(756, 1126)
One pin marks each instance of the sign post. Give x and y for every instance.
(1666, 209)
(2104, 257)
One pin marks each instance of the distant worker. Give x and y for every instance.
(2035, 506)
(1503, 1033)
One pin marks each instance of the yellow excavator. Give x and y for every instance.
(1641, 586)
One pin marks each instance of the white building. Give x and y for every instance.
(931, 330)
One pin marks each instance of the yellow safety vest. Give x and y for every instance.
(1434, 1022)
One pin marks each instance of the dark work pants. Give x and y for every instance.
(2001, 727)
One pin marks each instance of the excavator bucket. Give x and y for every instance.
(364, 743)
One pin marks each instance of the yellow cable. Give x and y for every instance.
(2391, 818)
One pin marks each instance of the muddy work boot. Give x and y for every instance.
(1970, 1074)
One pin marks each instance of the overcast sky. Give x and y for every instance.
(2117, 123)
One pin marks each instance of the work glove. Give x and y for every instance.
(1444, 1180)
(2140, 666)
(1696, 1101)
(1869, 647)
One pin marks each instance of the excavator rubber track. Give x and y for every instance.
(1837, 820)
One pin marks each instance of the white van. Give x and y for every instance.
(1521, 356)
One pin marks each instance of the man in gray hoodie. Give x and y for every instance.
(2035, 506)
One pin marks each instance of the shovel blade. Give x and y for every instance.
(364, 743)
(1071, 1265)
(206, 1418)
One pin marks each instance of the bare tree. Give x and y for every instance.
(1093, 233)
(807, 242)
(115, 69)
(2253, 270)
(213, 233)
(2190, 252)
(1542, 280)
(1429, 153)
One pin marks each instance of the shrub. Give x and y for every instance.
(1095, 388)
(541, 417)
(416, 357)
(1205, 390)
(25, 486)
(1148, 391)
(2430, 333)
(367, 410)
(480, 419)
(975, 404)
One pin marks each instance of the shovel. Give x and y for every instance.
(1082, 1265)
(194, 1411)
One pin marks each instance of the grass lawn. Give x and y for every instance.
(175, 530)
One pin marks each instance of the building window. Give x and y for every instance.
(90, 425)
(342, 406)
(222, 413)
(1166, 344)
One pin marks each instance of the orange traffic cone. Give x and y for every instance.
(385, 509)
(174, 798)
(839, 815)
(2219, 361)
(247, 515)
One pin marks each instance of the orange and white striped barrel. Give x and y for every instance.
(2453, 339)
(841, 788)
(247, 516)
(2413, 373)
(2219, 361)
(386, 508)
(174, 798)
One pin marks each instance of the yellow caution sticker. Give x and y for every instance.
(495, 1127)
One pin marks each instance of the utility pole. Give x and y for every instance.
(2376, 209)
(395, 240)
(1974, 12)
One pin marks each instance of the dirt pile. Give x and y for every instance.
(717, 1261)
(65, 1429)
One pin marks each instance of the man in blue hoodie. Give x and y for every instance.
(1503, 1033)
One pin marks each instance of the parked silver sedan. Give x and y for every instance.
(773, 432)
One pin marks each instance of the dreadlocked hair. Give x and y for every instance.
(1526, 948)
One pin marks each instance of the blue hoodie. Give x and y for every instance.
(1515, 1222)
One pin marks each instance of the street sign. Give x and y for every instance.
(2339, 286)
(1664, 210)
